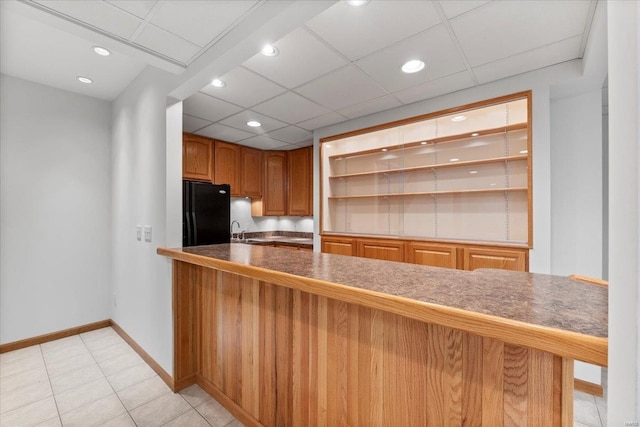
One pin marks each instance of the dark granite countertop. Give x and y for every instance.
(533, 302)
(285, 238)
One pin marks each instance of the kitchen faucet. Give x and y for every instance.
(234, 222)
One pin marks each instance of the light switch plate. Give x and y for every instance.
(147, 233)
(139, 233)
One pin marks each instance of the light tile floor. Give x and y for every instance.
(97, 379)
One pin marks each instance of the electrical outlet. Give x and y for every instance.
(139, 232)
(147, 233)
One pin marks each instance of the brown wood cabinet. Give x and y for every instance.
(300, 200)
(462, 256)
(495, 258)
(339, 245)
(431, 254)
(274, 198)
(250, 172)
(388, 250)
(227, 166)
(197, 157)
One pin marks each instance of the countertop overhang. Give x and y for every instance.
(549, 313)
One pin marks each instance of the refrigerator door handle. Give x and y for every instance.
(194, 227)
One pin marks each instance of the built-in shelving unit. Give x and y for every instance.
(460, 175)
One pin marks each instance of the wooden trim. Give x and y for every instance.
(168, 379)
(588, 387)
(591, 280)
(236, 410)
(530, 165)
(564, 343)
(40, 339)
(478, 104)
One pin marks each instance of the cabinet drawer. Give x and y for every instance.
(493, 258)
(432, 255)
(338, 246)
(381, 249)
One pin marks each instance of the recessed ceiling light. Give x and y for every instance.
(524, 151)
(254, 123)
(423, 143)
(473, 171)
(475, 134)
(384, 149)
(218, 83)
(357, 3)
(86, 80)
(413, 66)
(101, 51)
(455, 159)
(458, 118)
(269, 50)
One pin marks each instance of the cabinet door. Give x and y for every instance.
(381, 249)
(275, 183)
(431, 254)
(197, 156)
(250, 172)
(339, 246)
(227, 166)
(503, 259)
(300, 182)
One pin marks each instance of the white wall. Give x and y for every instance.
(54, 209)
(241, 212)
(141, 278)
(576, 194)
(624, 139)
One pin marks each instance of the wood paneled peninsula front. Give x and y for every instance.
(296, 338)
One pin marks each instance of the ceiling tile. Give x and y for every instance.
(369, 107)
(199, 22)
(192, 124)
(167, 44)
(359, 31)
(511, 27)
(244, 88)
(342, 88)
(208, 107)
(434, 47)
(555, 53)
(101, 15)
(239, 121)
(224, 133)
(287, 147)
(291, 108)
(304, 143)
(63, 56)
(301, 59)
(140, 8)
(264, 143)
(453, 8)
(435, 88)
(325, 120)
(291, 134)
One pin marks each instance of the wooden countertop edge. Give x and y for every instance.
(563, 343)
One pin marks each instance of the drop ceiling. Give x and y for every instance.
(341, 64)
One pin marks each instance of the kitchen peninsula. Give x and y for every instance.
(285, 337)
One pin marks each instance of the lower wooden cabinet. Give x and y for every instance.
(339, 245)
(381, 249)
(433, 255)
(515, 260)
(455, 255)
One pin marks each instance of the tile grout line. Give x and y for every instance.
(53, 395)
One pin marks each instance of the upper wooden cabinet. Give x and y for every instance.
(275, 183)
(197, 157)
(301, 182)
(250, 172)
(227, 166)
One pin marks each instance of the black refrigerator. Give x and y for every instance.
(205, 213)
